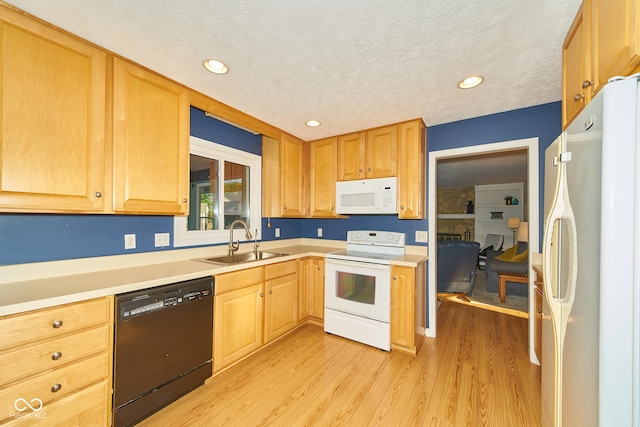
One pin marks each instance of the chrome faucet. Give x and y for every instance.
(235, 246)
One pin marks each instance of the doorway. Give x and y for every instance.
(531, 146)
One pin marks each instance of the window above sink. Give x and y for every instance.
(225, 185)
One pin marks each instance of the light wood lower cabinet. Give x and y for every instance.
(311, 296)
(537, 332)
(251, 308)
(59, 361)
(408, 307)
(281, 299)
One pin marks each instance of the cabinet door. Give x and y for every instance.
(537, 342)
(150, 143)
(323, 175)
(574, 69)
(351, 156)
(381, 149)
(616, 38)
(281, 306)
(292, 172)
(402, 306)
(311, 293)
(411, 172)
(52, 120)
(316, 305)
(237, 324)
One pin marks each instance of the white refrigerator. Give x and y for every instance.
(591, 263)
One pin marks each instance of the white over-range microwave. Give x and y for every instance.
(367, 196)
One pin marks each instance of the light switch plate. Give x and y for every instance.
(162, 240)
(422, 236)
(129, 241)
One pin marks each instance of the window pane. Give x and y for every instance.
(236, 193)
(203, 212)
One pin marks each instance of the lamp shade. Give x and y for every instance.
(513, 223)
(523, 232)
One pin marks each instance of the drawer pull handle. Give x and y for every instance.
(57, 324)
(56, 356)
(55, 388)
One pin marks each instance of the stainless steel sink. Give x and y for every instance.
(240, 258)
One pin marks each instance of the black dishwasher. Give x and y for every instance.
(163, 346)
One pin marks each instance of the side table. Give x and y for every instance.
(503, 278)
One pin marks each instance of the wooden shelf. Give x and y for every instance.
(456, 216)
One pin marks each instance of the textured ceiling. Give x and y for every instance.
(482, 169)
(351, 64)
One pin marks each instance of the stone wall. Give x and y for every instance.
(454, 201)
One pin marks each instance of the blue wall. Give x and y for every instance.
(28, 238)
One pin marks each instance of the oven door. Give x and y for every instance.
(358, 288)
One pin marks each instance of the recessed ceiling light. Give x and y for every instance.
(470, 82)
(215, 66)
(313, 123)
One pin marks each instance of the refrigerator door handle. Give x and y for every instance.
(560, 303)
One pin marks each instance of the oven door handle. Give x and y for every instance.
(331, 261)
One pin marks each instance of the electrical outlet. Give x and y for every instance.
(277, 232)
(319, 232)
(162, 239)
(422, 236)
(129, 241)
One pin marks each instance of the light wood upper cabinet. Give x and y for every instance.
(283, 171)
(351, 156)
(381, 148)
(150, 142)
(616, 38)
(370, 154)
(603, 42)
(52, 120)
(576, 70)
(412, 146)
(323, 155)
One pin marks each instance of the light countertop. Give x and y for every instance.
(73, 281)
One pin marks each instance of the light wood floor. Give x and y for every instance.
(475, 373)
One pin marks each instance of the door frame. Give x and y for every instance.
(533, 215)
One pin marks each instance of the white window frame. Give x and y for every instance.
(200, 147)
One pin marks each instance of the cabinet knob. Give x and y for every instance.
(184, 200)
(577, 97)
(360, 170)
(318, 268)
(540, 311)
(285, 208)
(402, 207)
(333, 208)
(56, 356)
(57, 324)
(261, 294)
(395, 277)
(270, 291)
(369, 169)
(55, 388)
(586, 84)
(98, 194)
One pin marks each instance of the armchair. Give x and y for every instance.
(495, 266)
(457, 266)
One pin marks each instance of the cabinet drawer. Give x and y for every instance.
(88, 407)
(26, 361)
(237, 280)
(70, 378)
(40, 325)
(280, 269)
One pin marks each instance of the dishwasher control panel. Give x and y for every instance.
(137, 303)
